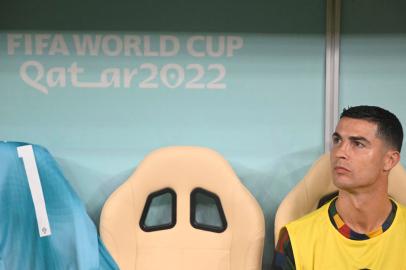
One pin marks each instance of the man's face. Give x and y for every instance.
(357, 155)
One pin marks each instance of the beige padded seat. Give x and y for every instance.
(184, 247)
(317, 183)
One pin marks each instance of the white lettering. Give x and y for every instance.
(74, 70)
(39, 69)
(210, 49)
(234, 43)
(117, 45)
(56, 77)
(190, 46)
(177, 74)
(41, 43)
(110, 77)
(87, 44)
(147, 47)
(128, 76)
(164, 40)
(58, 45)
(132, 43)
(13, 43)
(28, 44)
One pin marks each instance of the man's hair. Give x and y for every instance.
(389, 127)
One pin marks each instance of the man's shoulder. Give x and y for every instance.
(400, 206)
(401, 209)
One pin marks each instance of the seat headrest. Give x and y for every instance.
(184, 170)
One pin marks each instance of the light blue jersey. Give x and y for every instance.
(69, 239)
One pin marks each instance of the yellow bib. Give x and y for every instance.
(317, 245)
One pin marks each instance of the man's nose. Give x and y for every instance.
(341, 150)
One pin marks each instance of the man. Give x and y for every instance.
(362, 228)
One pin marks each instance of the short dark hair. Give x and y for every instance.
(389, 127)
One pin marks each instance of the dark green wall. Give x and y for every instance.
(258, 16)
(373, 16)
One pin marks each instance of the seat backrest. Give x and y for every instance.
(197, 182)
(317, 183)
(43, 224)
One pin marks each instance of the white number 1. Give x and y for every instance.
(26, 153)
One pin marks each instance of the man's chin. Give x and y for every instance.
(342, 182)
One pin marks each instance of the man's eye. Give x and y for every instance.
(336, 140)
(359, 145)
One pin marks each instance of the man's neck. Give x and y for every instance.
(363, 212)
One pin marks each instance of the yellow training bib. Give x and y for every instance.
(317, 245)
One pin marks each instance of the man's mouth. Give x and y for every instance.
(341, 169)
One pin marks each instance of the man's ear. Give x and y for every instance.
(392, 158)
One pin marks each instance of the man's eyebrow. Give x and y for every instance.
(352, 138)
(359, 138)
